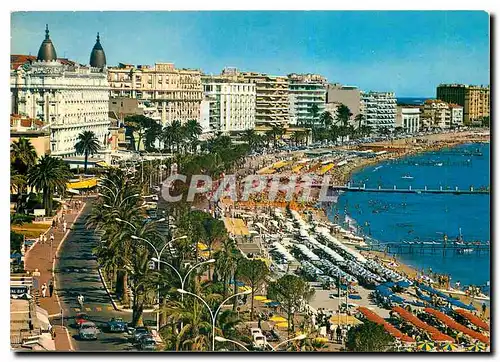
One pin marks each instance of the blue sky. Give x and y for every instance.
(406, 52)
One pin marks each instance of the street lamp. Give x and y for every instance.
(212, 314)
(297, 338)
(222, 339)
(158, 254)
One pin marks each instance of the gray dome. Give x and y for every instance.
(97, 57)
(47, 52)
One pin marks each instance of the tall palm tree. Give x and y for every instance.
(326, 119)
(359, 118)
(277, 131)
(23, 155)
(87, 144)
(193, 130)
(343, 114)
(49, 175)
(250, 136)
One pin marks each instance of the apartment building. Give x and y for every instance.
(271, 95)
(379, 110)
(475, 100)
(408, 118)
(344, 94)
(439, 114)
(305, 91)
(231, 102)
(67, 97)
(175, 93)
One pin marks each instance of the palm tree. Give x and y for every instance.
(193, 130)
(249, 136)
(49, 175)
(23, 155)
(326, 119)
(359, 118)
(314, 113)
(343, 114)
(277, 131)
(87, 144)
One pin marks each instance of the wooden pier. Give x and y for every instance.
(429, 248)
(410, 190)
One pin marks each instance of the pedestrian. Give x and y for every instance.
(40, 239)
(51, 238)
(53, 223)
(51, 288)
(483, 309)
(65, 225)
(339, 334)
(44, 290)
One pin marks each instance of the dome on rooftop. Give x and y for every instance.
(47, 52)
(97, 56)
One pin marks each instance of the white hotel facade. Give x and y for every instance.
(231, 104)
(379, 110)
(67, 97)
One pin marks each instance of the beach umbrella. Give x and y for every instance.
(273, 304)
(425, 346)
(449, 347)
(476, 347)
(259, 297)
(265, 301)
(277, 319)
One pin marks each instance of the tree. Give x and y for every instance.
(22, 155)
(254, 272)
(139, 124)
(343, 114)
(193, 130)
(297, 137)
(291, 292)
(359, 119)
(277, 131)
(87, 144)
(326, 119)
(249, 136)
(368, 337)
(49, 175)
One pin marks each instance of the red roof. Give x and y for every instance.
(16, 60)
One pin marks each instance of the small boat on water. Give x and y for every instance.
(465, 251)
(407, 177)
(439, 164)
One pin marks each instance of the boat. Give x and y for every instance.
(407, 177)
(465, 251)
(439, 164)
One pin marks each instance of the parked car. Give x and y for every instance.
(88, 331)
(147, 343)
(81, 318)
(116, 325)
(139, 332)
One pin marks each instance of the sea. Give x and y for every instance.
(395, 217)
(413, 101)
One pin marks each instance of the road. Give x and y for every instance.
(76, 273)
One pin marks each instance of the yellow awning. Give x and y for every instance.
(102, 164)
(325, 169)
(259, 297)
(277, 318)
(84, 184)
(282, 325)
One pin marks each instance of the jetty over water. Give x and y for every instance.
(410, 190)
(415, 247)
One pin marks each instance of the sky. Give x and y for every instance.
(407, 52)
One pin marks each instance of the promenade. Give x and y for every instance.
(42, 256)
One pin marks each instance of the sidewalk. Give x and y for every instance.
(39, 257)
(42, 257)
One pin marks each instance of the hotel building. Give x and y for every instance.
(475, 100)
(343, 94)
(67, 97)
(306, 90)
(231, 104)
(379, 110)
(408, 118)
(176, 94)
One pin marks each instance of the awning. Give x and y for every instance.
(73, 191)
(236, 226)
(83, 184)
(102, 164)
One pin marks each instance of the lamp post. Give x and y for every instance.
(158, 254)
(222, 339)
(297, 338)
(212, 314)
